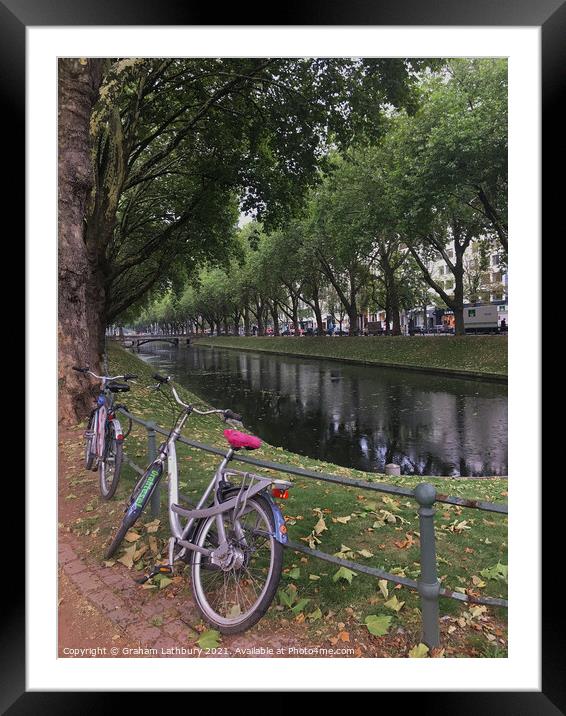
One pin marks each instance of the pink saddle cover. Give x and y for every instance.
(239, 440)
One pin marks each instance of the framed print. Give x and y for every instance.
(300, 238)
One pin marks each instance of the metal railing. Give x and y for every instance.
(428, 585)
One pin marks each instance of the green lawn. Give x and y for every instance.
(473, 355)
(370, 527)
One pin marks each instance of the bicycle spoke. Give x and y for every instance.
(233, 593)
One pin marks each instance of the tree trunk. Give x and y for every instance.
(80, 332)
(387, 318)
(246, 321)
(236, 317)
(353, 307)
(295, 317)
(260, 324)
(458, 305)
(318, 316)
(353, 318)
(275, 317)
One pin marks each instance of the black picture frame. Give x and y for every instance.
(550, 15)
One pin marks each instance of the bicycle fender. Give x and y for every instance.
(278, 520)
(280, 533)
(117, 429)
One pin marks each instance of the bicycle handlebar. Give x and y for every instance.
(88, 371)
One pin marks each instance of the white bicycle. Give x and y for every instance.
(233, 538)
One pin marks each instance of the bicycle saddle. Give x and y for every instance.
(239, 440)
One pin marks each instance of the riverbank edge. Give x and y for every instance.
(333, 468)
(449, 372)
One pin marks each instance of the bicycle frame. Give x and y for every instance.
(104, 415)
(180, 535)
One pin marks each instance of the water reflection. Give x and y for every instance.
(357, 416)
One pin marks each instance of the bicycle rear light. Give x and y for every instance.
(279, 492)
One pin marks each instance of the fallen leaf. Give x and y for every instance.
(383, 588)
(209, 639)
(394, 604)
(419, 651)
(344, 573)
(378, 625)
(127, 559)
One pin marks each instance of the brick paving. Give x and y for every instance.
(148, 619)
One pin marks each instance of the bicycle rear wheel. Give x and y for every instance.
(235, 596)
(111, 464)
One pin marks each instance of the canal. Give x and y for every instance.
(352, 415)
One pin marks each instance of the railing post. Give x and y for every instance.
(155, 501)
(428, 584)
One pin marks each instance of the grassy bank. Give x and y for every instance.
(480, 356)
(369, 527)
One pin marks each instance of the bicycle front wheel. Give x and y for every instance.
(139, 498)
(234, 596)
(109, 467)
(90, 449)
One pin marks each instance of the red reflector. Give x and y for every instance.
(119, 437)
(277, 492)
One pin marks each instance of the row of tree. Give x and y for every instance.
(158, 156)
(356, 168)
(432, 185)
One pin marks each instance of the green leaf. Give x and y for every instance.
(209, 639)
(420, 651)
(378, 625)
(285, 598)
(293, 573)
(344, 573)
(163, 580)
(315, 615)
(394, 604)
(300, 605)
(498, 572)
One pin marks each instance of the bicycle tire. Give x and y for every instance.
(89, 454)
(119, 537)
(268, 593)
(107, 490)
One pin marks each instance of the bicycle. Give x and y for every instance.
(104, 436)
(232, 539)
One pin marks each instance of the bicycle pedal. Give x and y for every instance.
(158, 569)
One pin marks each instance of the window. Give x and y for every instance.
(471, 312)
(495, 259)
